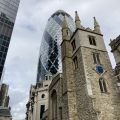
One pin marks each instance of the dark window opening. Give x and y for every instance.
(67, 32)
(43, 96)
(96, 58)
(102, 85)
(75, 62)
(2, 62)
(46, 85)
(46, 77)
(32, 109)
(5, 49)
(60, 109)
(92, 40)
(73, 45)
(1, 54)
(1, 68)
(4, 55)
(42, 110)
(2, 48)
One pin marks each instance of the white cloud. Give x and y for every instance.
(22, 59)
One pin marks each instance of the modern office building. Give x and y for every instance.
(8, 11)
(50, 53)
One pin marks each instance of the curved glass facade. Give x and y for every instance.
(50, 52)
(8, 11)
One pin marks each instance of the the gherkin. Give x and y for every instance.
(50, 52)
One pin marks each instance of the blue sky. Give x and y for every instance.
(22, 58)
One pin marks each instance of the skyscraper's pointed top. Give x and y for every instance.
(62, 12)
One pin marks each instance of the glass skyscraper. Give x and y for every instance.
(8, 11)
(50, 52)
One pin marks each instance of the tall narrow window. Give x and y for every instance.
(46, 77)
(102, 85)
(75, 62)
(73, 45)
(60, 108)
(42, 110)
(92, 40)
(96, 58)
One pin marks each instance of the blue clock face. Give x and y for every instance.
(99, 69)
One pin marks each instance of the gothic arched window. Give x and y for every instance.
(102, 85)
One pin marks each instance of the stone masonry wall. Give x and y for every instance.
(107, 104)
(85, 109)
(69, 95)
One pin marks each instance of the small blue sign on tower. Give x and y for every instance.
(99, 69)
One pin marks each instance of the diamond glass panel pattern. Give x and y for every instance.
(50, 50)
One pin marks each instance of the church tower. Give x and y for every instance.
(69, 96)
(88, 75)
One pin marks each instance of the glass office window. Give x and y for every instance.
(8, 11)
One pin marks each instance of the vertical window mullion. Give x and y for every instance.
(94, 42)
(105, 88)
(90, 40)
(102, 85)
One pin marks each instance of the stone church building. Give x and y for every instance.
(88, 88)
(115, 45)
(38, 99)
